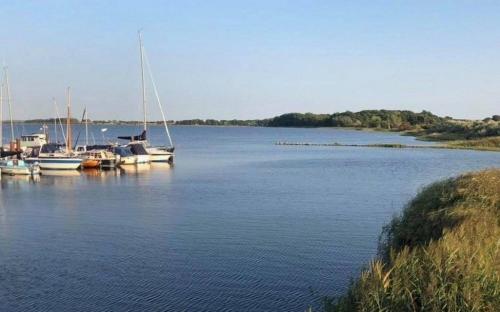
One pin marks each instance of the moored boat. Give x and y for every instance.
(99, 159)
(124, 156)
(138, 149)
(88, 162)
(161, 154)
(33, 140)
(19, 167)
(156, 153)
(53, 156)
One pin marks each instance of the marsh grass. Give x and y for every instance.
(489, 143)
(441, 254)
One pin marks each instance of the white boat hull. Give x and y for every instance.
(159, 155)
(60, 173)
(128, 160)
(52, 163)
(19, 167)
(143, 159)
(20, 171)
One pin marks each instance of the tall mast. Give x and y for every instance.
(7, 89)
(86, 127)
(55, 121)
(68, 123)
(58, 118)
(1, 116)
(142, 81)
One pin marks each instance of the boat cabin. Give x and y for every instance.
(33, 140)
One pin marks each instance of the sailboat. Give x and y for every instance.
(139, 144)
(57, 156)
(12, 166)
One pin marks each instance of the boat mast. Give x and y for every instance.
(60, 122)
(7, 89)
(141, 48)
(86, 127)
(1, 116)
(68, 123)
(55, 120)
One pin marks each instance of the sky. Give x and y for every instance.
(253, 59)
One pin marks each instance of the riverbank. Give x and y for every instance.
(440, 254)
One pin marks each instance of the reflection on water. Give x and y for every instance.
(161, 166)
(60, 173)
(136, 169)
(18, 179)
(94, 174)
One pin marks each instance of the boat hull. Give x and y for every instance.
(91, 163)
(59, 163)
(159, 154)
(128, 160)
(108, 163)
(19, 167)
(20, 171)
(143, 159)
(161, 157)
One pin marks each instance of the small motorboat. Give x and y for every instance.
(161, 154)
(108, 159)
(141, 154)
(99, 159)
(19, 167)
(124, 156)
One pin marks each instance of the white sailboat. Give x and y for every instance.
(155, 153)
(13, 166)
(56, 156)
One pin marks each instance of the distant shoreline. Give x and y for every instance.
(459, 133)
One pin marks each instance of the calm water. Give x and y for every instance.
(238, 224)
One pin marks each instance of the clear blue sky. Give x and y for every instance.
(231, 59)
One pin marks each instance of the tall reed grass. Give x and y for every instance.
(441, 254)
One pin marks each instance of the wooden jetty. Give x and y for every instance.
(380, 145)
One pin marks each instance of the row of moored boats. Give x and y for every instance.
(30, 154)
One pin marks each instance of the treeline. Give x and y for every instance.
(383, 119)
(214, 122)
(98, 122)
(423, 124)
(50, 120)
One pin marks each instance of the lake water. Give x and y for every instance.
(238, 224)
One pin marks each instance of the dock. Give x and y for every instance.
(380, 145)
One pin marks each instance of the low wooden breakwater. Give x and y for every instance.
(335, 144)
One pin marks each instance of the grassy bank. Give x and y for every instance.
(488, 144)
(441, 254)
(479, 135)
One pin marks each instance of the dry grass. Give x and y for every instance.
(489, 143)
(441, 254)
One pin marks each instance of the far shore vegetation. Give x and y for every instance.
(456, 133)
(441, 254)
